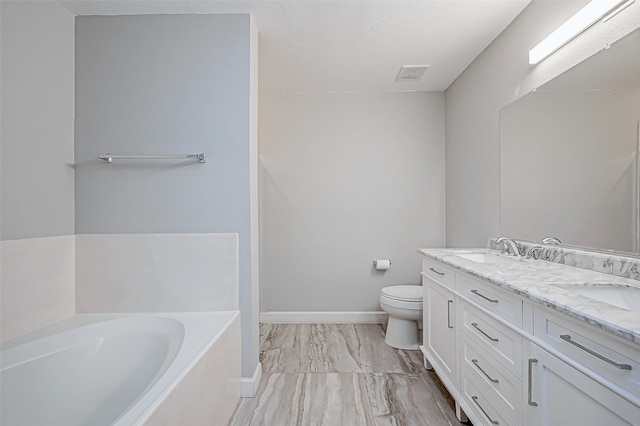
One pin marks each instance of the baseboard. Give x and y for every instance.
(373, 317)
(249, 385)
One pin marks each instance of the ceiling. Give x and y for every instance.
(325, 46)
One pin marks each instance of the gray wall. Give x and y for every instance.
(345, 179)
(37, 120)
(167, 84)
(37, 252)
(500, 75)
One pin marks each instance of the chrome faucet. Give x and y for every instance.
(551, 240)
(509, 245)
(534, 252)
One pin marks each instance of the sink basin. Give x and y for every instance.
(480, 257)
(621, 296)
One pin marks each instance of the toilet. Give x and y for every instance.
(403, 303)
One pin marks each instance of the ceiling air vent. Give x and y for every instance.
(411, 72)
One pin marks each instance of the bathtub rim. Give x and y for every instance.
(202, 331)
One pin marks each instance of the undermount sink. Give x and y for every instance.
(480, 257)
(621, 296)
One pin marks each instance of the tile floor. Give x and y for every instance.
(341, 374)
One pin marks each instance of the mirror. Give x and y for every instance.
(569, 155)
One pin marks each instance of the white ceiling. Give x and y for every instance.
(349, 46)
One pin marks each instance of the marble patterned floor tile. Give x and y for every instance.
(334, 399)
(399, 399)
(334, 349)
(265, 331)
(286, 348)
(278, 401)
(375, 356)
(311, 369)
(442, 397)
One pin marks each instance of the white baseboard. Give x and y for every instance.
(249, 385)
(374, 317)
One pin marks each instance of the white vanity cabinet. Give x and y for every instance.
(558, 394)
(599, 372)
(507, 360)
(439, 322)
(476, 356)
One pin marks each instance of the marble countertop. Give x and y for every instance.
(549, 283)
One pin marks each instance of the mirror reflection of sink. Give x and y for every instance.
(480, 257)
(621, 296)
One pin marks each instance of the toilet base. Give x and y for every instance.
(402, 334)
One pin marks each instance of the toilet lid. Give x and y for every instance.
(411, 293)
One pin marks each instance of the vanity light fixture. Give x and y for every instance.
(579, 22)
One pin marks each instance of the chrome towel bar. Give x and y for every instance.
(110, 157)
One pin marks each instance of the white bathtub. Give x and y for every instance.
(123, 369)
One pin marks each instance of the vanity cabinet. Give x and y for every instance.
(616, 362)
(509, 361)
(439, 325)
(558, 394)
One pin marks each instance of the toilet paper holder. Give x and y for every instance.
(375, 262)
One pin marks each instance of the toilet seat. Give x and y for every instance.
(403, 293)
(402, 296)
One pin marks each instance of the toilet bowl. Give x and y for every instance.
(403, 303)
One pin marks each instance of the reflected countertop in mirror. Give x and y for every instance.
(569, 155)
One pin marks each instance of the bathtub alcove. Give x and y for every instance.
(124, 369)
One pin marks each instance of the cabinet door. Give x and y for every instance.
(439, 331)
(558, 394)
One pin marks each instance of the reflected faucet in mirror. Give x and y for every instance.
(509, 245)
(551, 240)
(534, 252)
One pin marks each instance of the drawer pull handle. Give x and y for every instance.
(476, 292)
(439, 273)
(529, 398)
(449, 302)
(493, 422)
(475, 362)
(567, 338)
(475, 325)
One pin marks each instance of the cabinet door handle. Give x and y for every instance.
(476, 292)
(493, 422)
(529, 398)
(492, 380)
(449, 302)
(439, 273)
(475, 325)
(567, 338)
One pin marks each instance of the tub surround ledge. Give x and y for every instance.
(38, 283)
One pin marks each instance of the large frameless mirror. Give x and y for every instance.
(569, 155)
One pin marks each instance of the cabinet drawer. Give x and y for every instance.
(492, 298)
(438, 272)
(483, 406)
(496, 339)
(494, 378)
(606, 355)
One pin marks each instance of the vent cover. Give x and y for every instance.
(411, 72)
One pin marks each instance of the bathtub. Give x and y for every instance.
(123, 369)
